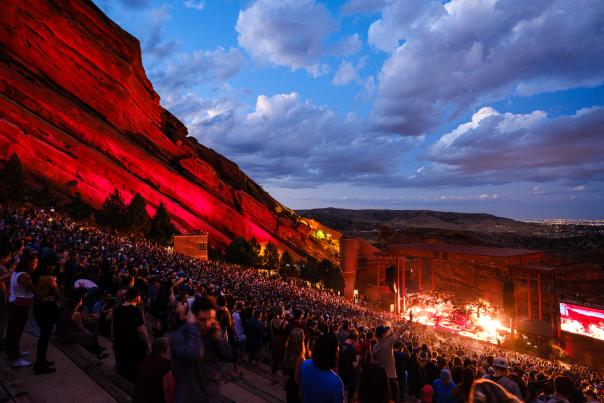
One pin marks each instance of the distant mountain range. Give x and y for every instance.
(346, 220)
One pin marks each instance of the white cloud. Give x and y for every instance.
(346, 74)
(291, 33)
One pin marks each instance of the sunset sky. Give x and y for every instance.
(468, 105)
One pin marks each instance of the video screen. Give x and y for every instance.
(582, 320)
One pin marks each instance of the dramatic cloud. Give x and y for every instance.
(198, 67)
(496, 148)
(288, 142)
(450, 56)
(291, 33)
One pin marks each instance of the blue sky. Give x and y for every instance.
(468, 105)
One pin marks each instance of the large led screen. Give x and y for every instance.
(582, 320)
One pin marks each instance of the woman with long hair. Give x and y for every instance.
(20, 300)
(295, 353)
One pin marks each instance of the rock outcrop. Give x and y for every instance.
(78, 109)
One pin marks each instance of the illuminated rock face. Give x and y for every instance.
(78, 109)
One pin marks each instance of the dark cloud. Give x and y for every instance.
(449, 57)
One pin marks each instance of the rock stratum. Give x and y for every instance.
(78, 109)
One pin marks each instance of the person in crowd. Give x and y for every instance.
(255, 337)
(71, 328)
(427, 394)
(383, 354)
(517, 375)
(462, 391)
(347, 367)
(7, 266)
(373, 383)
(295, 354)
(240, 336)
(500, 366)
(401, 362)
(130, 339)
(20, 300)
(487, 391)
(45, 310)
(557, 391)
(196, 349)
(443, 387)
(278, 335)
(318, 381)
(154, 381)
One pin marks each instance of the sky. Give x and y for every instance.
(492, 106)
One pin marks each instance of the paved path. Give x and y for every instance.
(68, 385)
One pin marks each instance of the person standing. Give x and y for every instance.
(197, 347)
(154, 382)
(295, 353)
(130, 338)
(20, 300)
(45, 311)
(443, 387)
(500, 366)
(318, 382)
(383, 355)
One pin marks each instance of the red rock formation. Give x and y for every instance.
(78, 109)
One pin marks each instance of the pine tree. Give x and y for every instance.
(113, 212)
(243, 252)
(310, 271)
(12, 180)
(286, 266)
(137, 219)
(271, 257)
(162, 230)
(78, 208)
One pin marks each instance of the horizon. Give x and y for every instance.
(477, 113)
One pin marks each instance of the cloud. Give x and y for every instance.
(446, 57)
(198, 67)
(197, 5)
(347, 73)
(495, 148)
(153, 44)
(286, 141)
(291, 33)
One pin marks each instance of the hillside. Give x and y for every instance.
(78, 109)
(370, 220)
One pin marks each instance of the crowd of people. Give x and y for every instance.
(180, 327)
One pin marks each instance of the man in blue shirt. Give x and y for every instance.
(443, 387)
(318, 382)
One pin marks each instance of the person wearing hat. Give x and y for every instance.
(443, 387)
(383, 355)
(500, 366)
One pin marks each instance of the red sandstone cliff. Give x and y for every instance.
(78, 109)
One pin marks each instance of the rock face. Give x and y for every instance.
(78, 109)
